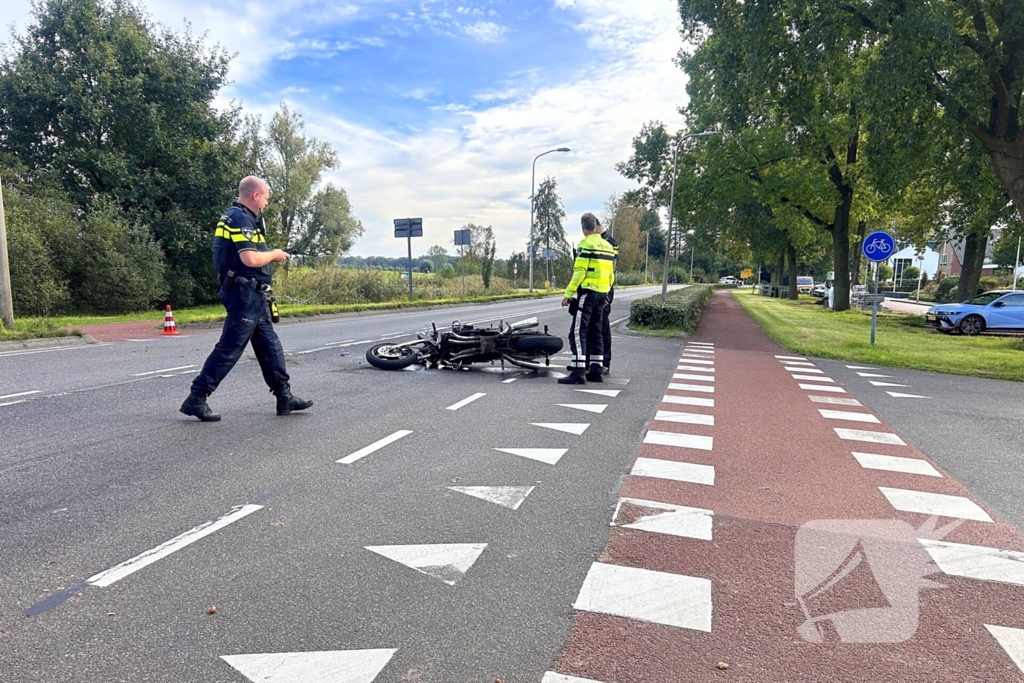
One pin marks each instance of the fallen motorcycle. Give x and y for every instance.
(517, 343)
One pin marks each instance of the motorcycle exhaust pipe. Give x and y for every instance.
(532, 365)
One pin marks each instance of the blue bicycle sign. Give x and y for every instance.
(878, 246)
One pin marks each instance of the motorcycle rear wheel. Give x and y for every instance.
(391, 357)
(536, 343)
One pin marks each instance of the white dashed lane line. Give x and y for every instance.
(128, 567)
(160, 372)
(465, 401)
(375, 446)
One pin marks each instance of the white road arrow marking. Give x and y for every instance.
(342, 666)
(576, 428)
(589, 407)
(545, 455)
(674, 520)
(1011, 640)
(446, 562)
(506, 496)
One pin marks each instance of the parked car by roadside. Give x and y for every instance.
(819, 289)
(730, 280)
(804, 284)
(995, 310)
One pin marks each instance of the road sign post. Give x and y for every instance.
(6, 298)
(877, 247)
(463, 239)
(409, 228)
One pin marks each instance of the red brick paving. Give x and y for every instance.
(779, 464)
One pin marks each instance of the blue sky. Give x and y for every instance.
(438, 107)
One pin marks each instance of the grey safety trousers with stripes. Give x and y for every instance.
(586, 341)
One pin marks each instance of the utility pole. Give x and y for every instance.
(6, 302)
(1016, 262)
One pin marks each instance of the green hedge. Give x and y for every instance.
(682, 309)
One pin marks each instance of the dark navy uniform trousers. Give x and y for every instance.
(248, 321)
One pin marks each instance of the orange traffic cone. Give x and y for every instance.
(169, 327)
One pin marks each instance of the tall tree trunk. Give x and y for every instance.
(841, 249)
(1008, 159)
(862, 231)
(974, 259)
(791, 256)
(780, 267)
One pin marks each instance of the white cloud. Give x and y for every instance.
(480, 171)
(485, 31)
(472, 165)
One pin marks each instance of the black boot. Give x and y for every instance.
(575, 377)
(286, 403)
(196, 406)
(595, 374)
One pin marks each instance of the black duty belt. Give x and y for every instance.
(251, 283)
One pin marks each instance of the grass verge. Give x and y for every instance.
(35, 328)
(901, 341)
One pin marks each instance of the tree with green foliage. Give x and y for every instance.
(438, 255)
(549, 232)
(100, 102)
(314, 222)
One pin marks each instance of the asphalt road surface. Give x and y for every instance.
(380, 563)
(774, 518)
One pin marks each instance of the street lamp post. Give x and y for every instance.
(672, 203)
(533, 177)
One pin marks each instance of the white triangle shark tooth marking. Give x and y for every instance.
(1011, 640)
(340, 666)
(576, 428)
(887, 384)
(545, 455)
(896, 394)
(871, 374)
(589, 407)
(674, 520)
(610, 393)
(506, 496)
(447, 562)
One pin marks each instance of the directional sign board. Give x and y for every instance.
(549, 254)
(462, 237)
(408, 227)
(878, 246)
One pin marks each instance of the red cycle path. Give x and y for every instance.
(779, 464)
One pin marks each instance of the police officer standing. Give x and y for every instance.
(591, 281)
(606, 327)
(243, 260)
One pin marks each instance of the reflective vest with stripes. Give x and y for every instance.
(594, 268)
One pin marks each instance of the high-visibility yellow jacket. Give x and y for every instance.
(615, 247)
(594, 267)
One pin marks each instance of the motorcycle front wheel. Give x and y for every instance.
(391, 356)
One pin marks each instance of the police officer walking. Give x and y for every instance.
(591, 281)
(243, 260)
(606, 326)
